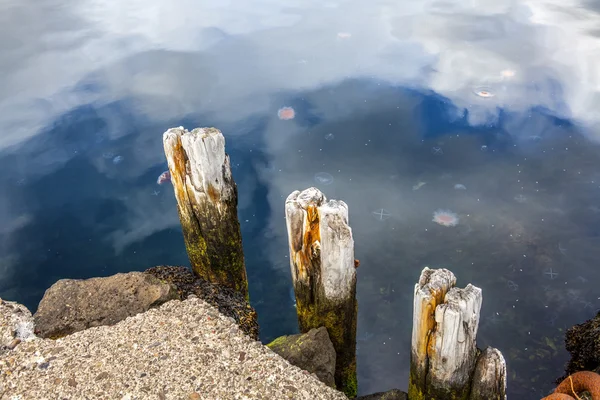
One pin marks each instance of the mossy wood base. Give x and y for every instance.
(340, 321)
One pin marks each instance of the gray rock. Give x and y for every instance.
(311, 351)
(16, 324)
(180, 350)
(393, 394)
(72, 305)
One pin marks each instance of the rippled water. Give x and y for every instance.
(488, 109)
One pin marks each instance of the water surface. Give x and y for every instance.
(485, 109)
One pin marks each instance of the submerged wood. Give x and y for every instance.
(324, 276)
(207, 204)
(444, 353)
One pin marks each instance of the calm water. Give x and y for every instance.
(487, 109)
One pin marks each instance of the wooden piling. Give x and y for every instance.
(207, 204)
(324, 276)
(429, 292)
(489, 378)
(445, 362)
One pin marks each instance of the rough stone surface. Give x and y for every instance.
(393, 394)
(16, 325)
(311, 351)
(230, 303)
(72, 305)
(180, 350)
(583, 342)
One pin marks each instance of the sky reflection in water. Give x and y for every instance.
(487, 109)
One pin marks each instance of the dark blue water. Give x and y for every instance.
(488, 110)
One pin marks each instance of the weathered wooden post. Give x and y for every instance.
(445, 362)
(489, 378)
(429, 292)
(324, 276)
(207, 204)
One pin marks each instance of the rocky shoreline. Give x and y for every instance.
(163, 334)
(180, 350)
(167, 334)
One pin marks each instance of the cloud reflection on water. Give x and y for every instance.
(86, 82)
(216, 56)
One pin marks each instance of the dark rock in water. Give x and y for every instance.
(229, 302)
(583, 342)
(311, 351)
(72, 305)
(393, 394)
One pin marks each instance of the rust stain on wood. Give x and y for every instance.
(431, 344)
(313, 233)
(310, 241)
(427, 323)
(179, 172)
(213, 193)
(437, 299)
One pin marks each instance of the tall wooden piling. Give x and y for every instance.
(445, 362)
(207, 204)
(324, 276)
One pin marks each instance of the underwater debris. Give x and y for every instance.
(286, 113)
(437, 150)
(445, 218)
(381, 214)
(484, 92)
(164, 177)
(551, 274)
(323, 178)
(418, 185)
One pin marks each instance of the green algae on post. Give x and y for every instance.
(324, 276)
(207, 204)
